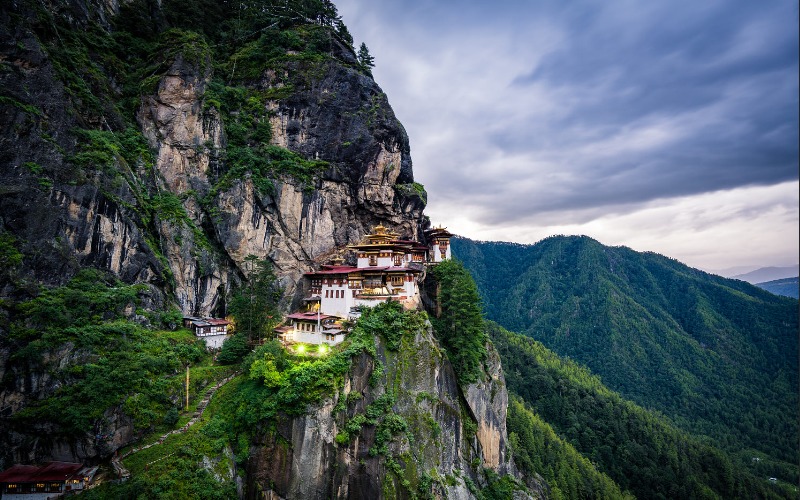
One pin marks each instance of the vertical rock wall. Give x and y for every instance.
(300, 458)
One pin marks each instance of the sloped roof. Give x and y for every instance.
(309, 316)
(52, 471)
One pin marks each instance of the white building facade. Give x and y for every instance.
(387, 268)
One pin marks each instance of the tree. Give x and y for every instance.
(254, 305)
(366, 61)
(459, 325)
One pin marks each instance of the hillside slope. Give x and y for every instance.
(788, 287)
(640, 450)
(718, 356)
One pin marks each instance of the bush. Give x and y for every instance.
(233, 350)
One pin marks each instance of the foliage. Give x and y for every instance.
(415, 188)
(537, 449)
(254, 305)
(641, 451)
(393, 322)
(717, 356)
(192, 465)
(103, 150)
(107, 361)
(234, 349)
(459, 327)
(248, 151)
(10, 256)
(366, 61)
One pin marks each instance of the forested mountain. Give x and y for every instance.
(717, 356)
(642, 451)
(788, 287)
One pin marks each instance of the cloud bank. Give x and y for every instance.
(535, 117)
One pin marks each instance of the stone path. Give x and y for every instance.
(116, 462)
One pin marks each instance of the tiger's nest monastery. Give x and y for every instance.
(387, 268)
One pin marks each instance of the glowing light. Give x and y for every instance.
(323, 349)
(301, 349)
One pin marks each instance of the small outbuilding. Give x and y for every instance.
(42, 482)
(213, 331)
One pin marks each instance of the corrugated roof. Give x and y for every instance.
(19, 474)
(58, 471)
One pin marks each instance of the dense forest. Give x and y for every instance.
(640, 450)
(717, 356)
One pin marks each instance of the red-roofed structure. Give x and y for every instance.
(387, 268)
(213, 331)
(52, 480)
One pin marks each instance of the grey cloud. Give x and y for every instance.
(718, 79)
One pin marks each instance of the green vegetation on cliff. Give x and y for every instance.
(717, 356)
(459, 321)
(79, 340)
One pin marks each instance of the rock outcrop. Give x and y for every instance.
(138, 182)
(167, 186)
(450, 439)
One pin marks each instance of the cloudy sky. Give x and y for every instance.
(669, 126)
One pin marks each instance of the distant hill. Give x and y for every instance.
(764, 274)
(788, 287)
(640, 450)
(717, 356)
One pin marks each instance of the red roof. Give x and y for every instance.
(333, 270)
(53, 471)
(309, 316)
(218, 321)
(19, 474)
(58, 471)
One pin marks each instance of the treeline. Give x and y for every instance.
(538, 449)
(718, 356)
(641, 451)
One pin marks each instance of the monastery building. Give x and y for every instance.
(387, 268)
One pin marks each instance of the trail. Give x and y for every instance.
(116, 462)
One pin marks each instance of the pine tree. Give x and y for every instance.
(460, 325)
(254, 305)
(366, 61)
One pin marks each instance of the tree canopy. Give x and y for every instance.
(459, 321)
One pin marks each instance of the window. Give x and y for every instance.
(398, 260)
(373, 260)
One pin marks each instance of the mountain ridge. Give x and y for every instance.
(764, 274)
(718, 356)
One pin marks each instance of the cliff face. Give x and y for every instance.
(72, 199)
(132, 144)
(443, 447)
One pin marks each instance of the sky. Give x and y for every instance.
(665, 126)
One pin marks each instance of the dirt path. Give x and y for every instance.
(116, 462)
